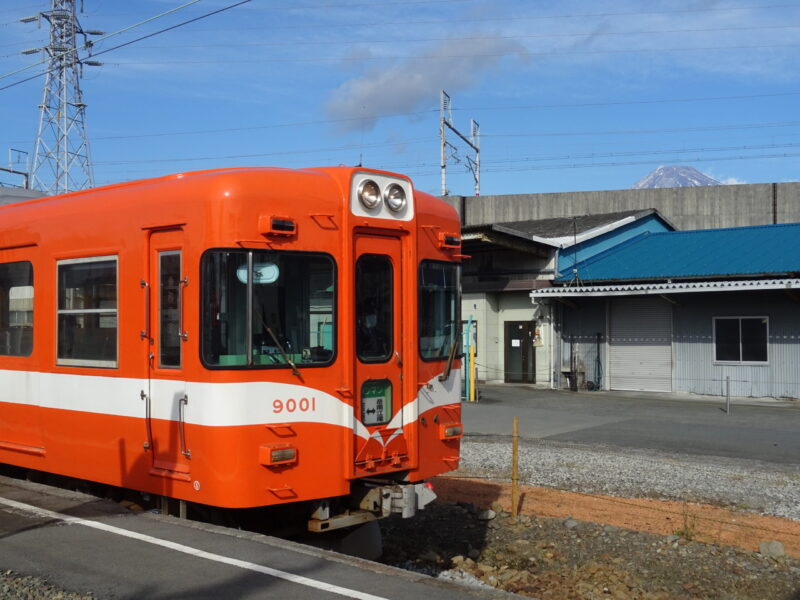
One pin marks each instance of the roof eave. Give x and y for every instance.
(681, 287)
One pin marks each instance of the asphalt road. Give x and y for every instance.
(756, 430)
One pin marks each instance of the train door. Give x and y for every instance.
(168, 401)
(380, 442)
(20, 417)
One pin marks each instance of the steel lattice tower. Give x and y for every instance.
(61, 161)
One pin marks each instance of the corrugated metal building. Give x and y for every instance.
(684, 311)
(506, 260)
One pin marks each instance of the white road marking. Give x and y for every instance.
(298, 579)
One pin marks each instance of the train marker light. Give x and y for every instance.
(276, 225)
(395, 197)
(369, 194)
(449, 431)
(450, 241)
(277, 455)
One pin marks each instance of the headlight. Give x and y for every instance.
(395, 197)
(369, 194)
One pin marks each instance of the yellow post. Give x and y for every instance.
(471, 373)
(515, 469)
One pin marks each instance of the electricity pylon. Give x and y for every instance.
(61, 158)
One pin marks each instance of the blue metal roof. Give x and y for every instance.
(740, 251)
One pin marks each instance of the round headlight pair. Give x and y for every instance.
(369, 194)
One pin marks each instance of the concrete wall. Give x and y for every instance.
(706, 207)
(490, 311)
(482, 307)
(11, 195)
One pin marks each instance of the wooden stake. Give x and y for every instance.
(515, 469)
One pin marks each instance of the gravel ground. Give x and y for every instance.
(561, 559)
(564, 559)
(767, 488)
(19, 587)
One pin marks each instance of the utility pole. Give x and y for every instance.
(10, 169)
(61, 158)
(474, 143)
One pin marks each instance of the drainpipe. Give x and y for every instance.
(774, 203)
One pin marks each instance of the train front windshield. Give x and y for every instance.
(439, 308)
(266, 309)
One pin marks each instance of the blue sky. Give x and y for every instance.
(570, 96)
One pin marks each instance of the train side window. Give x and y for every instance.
(87, 312)
(169, 300)
(439, 306)
(16, 309)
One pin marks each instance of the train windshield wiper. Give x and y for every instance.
(285, 356)
(451, 356)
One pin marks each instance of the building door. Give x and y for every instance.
(640, 345)
(168, 403)
(379, 438)
(520, 353)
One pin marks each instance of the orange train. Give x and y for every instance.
(236, 338)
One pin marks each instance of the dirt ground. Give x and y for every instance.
(570, 546)
(710, 524)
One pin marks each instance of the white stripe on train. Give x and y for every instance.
(209, 404)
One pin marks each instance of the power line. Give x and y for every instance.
(634, 102)
(422, 57)
(132, 41)
(593, 155)
(104, 37)
(509, 108)
(170, 28)
(262, 154)
(647, 131)
(677, 160)
(293, 43)
(517, 18)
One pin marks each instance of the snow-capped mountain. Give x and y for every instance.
(668, 177)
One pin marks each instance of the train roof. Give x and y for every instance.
(205, 183)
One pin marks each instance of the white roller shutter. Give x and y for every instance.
(640, 345)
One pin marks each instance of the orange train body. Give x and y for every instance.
(237, 338)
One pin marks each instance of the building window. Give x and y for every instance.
(87, 312)
(16, 309)
(741, 339)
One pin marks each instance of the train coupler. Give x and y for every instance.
(375, 503)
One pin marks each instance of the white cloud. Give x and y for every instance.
(732, 181)
(452, 65)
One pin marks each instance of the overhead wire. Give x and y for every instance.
(538, 17)
(592, 155)
(646, 131)
(262, 154)
(144, 37)
(627, 102)
(642, 162)
(469, 38)
(435, 56)
(100, 39)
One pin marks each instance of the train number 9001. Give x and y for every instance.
(291, 405)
